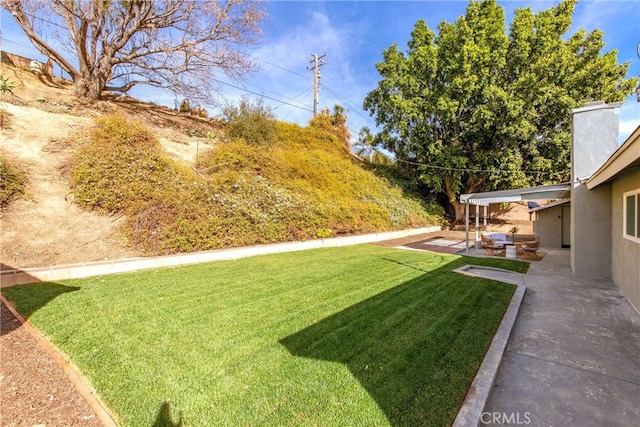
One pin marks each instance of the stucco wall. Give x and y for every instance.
(591, 231)
(625, 256)
(594, 138)
(548, 227)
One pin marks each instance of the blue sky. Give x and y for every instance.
(353, 35)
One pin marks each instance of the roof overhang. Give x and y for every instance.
(550, 205)
(625, 157)
(557, 191)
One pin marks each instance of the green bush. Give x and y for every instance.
(185, 107)
(112, 179)
(252, 122)
(6, 85)
(117, 131)
(13, 182)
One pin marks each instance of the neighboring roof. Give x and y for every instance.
(625, 157)
(557, 191)
(550, 205)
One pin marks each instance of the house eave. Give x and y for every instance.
(625, 157)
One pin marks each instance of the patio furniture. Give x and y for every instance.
(530, 249)
(500, 239)
(490, 246)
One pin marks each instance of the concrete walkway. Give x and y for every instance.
(573, 358)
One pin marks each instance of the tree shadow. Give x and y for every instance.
(164, 418)
(53, 82)
(164, 117)
(27, 298)
(414, 347)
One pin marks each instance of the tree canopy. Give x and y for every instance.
(115, 45)
(474, 108)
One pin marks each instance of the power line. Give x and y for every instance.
(302, 95)
(261, 95)
(447, 168)
(279, 67)
(339, 96)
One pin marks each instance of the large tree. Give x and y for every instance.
(473, 108)
(113, 45)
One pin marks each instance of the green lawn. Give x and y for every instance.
(360, 335)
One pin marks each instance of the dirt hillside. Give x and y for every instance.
(46, 228)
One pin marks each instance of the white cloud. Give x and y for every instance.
(599, 13)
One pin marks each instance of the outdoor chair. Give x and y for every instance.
(530, 249)
(490, 246)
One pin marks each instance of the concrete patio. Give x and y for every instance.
(573, 358)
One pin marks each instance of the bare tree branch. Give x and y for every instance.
(178, 45)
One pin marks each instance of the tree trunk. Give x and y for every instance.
(453, 206)
(80, 87)
(85, 87)
(459, 210)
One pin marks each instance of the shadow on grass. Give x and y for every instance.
(416, 347)
(29, 298)
(164, 418)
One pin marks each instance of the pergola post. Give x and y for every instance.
(466, 223)
(485, 218)
(477, 242)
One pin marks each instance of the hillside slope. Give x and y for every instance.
(45, 227)
(302, 186)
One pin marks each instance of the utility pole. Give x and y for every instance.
(317, 63)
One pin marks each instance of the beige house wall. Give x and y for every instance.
(591, 231)
(594, 138)
(625, 254)
(548, 226)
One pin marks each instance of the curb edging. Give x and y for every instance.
(76, 271)
(471, 410)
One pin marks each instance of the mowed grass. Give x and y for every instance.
(361, 335)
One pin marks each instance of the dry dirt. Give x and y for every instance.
(34, 390)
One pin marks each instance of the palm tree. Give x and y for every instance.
(364, 146)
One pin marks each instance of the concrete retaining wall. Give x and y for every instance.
(75, 271)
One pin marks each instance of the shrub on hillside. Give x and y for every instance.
(116, 131)
(112, 179)
(312, 166)
(121, 166)
(335, 123)
(13, 182)
(252, 122)
(302, 187)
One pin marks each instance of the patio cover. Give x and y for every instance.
(556, 191)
